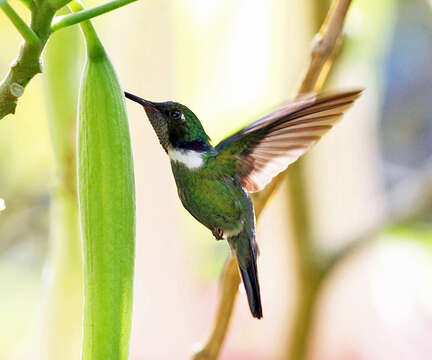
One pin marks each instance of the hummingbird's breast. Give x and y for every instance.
(216, 200)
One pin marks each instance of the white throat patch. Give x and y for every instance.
(190, 158)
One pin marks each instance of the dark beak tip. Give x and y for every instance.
(133, 97)
(148, 105)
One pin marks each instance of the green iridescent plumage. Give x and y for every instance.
(213, 182)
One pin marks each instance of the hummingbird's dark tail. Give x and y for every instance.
(244, 247)
(251, 284)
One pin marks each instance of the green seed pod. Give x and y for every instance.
(107, 206)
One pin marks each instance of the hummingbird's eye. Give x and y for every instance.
(175, 114)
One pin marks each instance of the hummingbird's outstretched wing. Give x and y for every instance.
(267, 146)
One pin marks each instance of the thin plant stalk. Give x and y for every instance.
(62, 21)
(26, 32)
(62, 318)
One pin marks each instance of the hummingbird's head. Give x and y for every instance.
(176, 126)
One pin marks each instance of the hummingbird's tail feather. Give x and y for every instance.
(251, 284)
(244, 247)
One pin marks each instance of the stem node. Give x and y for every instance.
(16, 89)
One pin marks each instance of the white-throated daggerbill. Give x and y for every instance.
(214, 182)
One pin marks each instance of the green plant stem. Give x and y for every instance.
(62, 321)
(86, 14)
(309, 270)
(27, 33)
(94, 45)
(309, 286)
(62, 325)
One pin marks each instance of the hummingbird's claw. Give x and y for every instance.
(218, 233)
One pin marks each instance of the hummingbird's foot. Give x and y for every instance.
(218, 233)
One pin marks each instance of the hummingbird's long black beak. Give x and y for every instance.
(147, 104)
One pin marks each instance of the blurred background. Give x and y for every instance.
(230, 61)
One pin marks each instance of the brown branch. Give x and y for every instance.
(323, 45)
(229, 283)
(322, 48)
(27, 64)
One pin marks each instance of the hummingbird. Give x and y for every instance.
(214, 182)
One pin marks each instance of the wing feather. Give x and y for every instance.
(267, 146)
